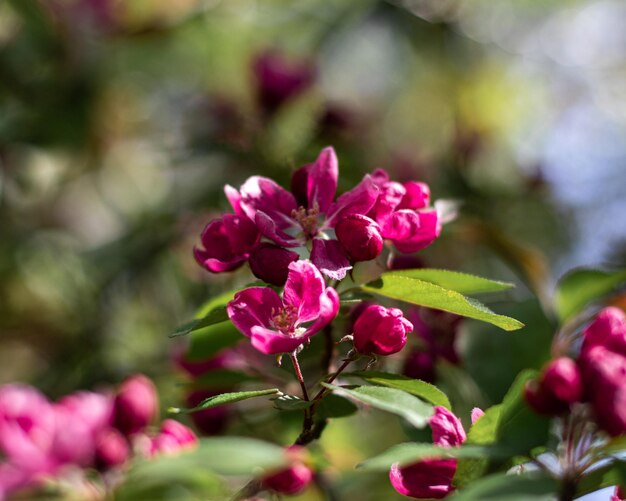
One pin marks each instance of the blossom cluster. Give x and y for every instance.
(597, 377)
(43, 441)
(302, 238)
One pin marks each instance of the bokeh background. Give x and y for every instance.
(120, 122)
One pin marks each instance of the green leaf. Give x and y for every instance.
(416, 387)
(291, 403)
(207, 342)
(334, 406)
(215, 316)
(462, 283)
(227, 398)
(408, 453)
(518, 426)
(483, 432)
(415, 291)
(240, 455)
(527, 487)
(614, 446)
(582, 286)
(605, 476)
(166, 477)
(220, 378)
(399, 402)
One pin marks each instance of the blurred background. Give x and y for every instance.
(121, 121)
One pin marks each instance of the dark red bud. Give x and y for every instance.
(135, 404)
(111, 449)
(360, 237)
(270, 263)
(381, 331)
(561, 377)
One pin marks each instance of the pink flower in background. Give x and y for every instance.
(135, 404)
(172, 438)
(608, 329)
(277, 325)
(111, 449)
(559, 385)
(293, 479)
(380, 330)
(278, 79)
(432, 478)
(227, 243)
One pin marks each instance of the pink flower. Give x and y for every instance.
(278, 80)
(228, 242)
(135, 404)
(604, 377)
(360, 237)
(608, 329)
(173, 437)
(293, 479)
(276, 325)
(27, 432)
(380, 330)
(432, 478)
(111, 450)
(559, 385)
(403, 215)
(290, 223)
(81, 418)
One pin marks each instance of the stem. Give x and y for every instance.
(345, 364)
(296, 367)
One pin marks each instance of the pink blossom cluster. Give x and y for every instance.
(597, 377)
(302, 238)
(42, 440)
(432, 478)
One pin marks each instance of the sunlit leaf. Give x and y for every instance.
(399, 402)
(528, 487)
(416, 387)
(291, 403)
(415, 291)
(462, 283)
(228, 398)
(605, 476)
(582, 286)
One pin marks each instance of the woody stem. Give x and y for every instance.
(296, 367)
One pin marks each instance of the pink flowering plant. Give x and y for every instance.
(343, 317)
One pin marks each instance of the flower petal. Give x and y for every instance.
(253, 307)
(269, 229)
(329, 307)
(447, 428)
(304, 288)
(426, 234)
(272, 342)
(330, 257)
(322, 180)
(427, 479)
(263, 194)
(359, 200)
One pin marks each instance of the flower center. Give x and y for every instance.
(285, 319)
(307, 219)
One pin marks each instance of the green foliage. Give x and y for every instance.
(527, 487)
(334, 406)
(463, 283)
(215, 316)
(580, 287)
(482, 432)
(519, 428)
(291, 403)
(605, 476)
(416, 387)
(228, 398)
(398, 402)
(397, 286)
(408, 453)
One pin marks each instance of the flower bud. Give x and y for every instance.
(135, 404)
(360, 237)
(608, 329)
(561, 378)
(604, 377)
(559, 385)
(381, 331)
(270, 263)
(426, 479)
(173, 437)
(417, 196)
(111, 449)
(227, 243)
(293, 479)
